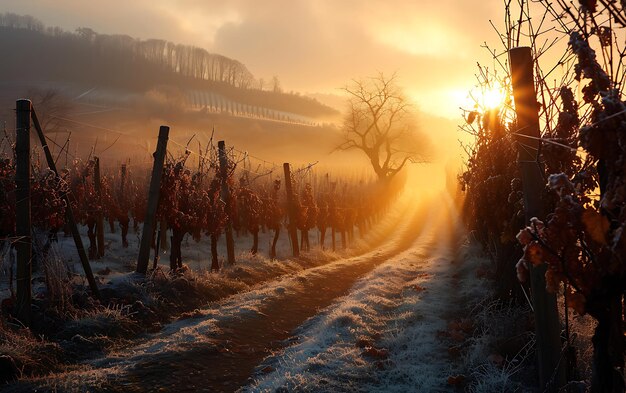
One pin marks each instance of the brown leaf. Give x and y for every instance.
(471, 117)
(376, 353)
(576, 302)
(534, 254)
(267, 369)
(363, 343)
(596, 225)
(524, 236)
(456, 379)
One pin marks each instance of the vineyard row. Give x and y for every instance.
(217, 197)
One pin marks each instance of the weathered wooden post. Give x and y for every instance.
(153, 201)
(123, 180)
(69, 213)
(225, 193)
(100, 213)
(163, 244)
(157, 249)
(291, 211)
(22, 210)
(547, 326)
(124, 219)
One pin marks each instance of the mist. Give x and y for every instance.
(115, 91)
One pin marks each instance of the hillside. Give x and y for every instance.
(119, 65)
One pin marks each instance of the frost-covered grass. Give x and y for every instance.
(235, 292)
(25, 354)
(207, 322)
(380, 337)
(118, 263)
(393, 333)
(582, 328)
(499, 349)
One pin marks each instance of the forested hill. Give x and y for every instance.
(33, 52)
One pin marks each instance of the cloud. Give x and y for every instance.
(310, 45)
(321, 45)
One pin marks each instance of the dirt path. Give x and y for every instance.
(386, 335)
(219, 349)
(224, 361)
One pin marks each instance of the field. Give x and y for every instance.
(171, 221)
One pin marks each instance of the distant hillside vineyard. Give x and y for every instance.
(35, 53)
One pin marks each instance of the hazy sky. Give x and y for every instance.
(311, 45)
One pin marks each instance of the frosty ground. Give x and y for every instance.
(392, 314)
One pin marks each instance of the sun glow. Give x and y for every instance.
(492, 97)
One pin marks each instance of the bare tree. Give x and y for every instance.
(276, 88)
(380, 124)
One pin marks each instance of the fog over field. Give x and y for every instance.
(312, 196)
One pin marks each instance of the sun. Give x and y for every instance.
(492, 97)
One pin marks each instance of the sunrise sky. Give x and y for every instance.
(312, 46)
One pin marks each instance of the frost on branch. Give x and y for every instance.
(588, 67)
(561, 184)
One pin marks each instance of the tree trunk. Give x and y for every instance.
(343, 240)
(507, 284)
(176, 259)
(91, 234)
(608, 342)
(305, 239)
(100, 212)
(322, 236)
(255, 242)
(124, 224)
(163, 231)
(215, 264)
(273, 248)
(157, 255)
(291, 211)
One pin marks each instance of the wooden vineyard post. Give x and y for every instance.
(153, 201)
(100, 214)
(163, 245)
(547, 326)
(124, 219)
(69, 213)
(291, 211)
(157, 249)
(225, 193)
(22, 210)
(122, 181)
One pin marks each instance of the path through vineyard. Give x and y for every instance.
(220, 350)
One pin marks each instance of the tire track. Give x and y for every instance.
(226, 359)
